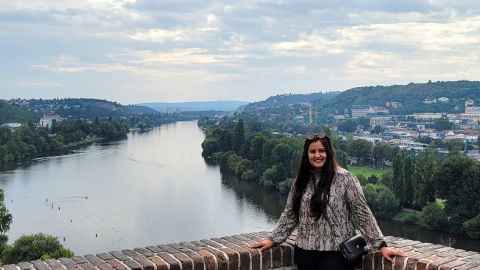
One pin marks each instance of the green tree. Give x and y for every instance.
(34, 247)
(362, 150)
(426, 166)
(5, 221)
(382, 200)
(239, 136)
(442, 124)
(458, 182)
(434, 216)
(348, 125)
(398, 179)
(409, 181)
(472, 227)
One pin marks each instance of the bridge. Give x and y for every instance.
(233, 253)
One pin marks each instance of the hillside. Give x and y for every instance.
(411, 97)
(76, 108)
(280, 101)
(195, 106)
(10, 113)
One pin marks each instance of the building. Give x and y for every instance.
(444, 99)
(48, 119)
(430, 101)
(11, 125)
(427, 116)
(380, 121)
(470, 109)
(393, 104)
(378, 110)
(360, 110)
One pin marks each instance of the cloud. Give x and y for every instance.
(222, 47)
(39, 84)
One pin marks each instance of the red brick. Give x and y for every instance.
(41, 265)
(287, 252)
(187, 263)
(159, 262)
(25, 266)
(116, 264)
(398, 263)
(54, 264)
(209, 258)
(174, 264)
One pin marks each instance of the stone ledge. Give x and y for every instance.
(423, 256)
(233, 253)
(224, 253)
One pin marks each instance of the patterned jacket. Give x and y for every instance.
(346, 212)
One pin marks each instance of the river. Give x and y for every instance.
(151, 188)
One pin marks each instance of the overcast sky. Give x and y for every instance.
(185, 50)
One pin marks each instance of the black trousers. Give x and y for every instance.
(320, 260)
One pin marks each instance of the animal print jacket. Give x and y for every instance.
(346, 213)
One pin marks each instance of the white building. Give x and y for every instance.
(11, 125)
(48, 119)
(379, 121)
(360, 111)
(444, 99)
(427, 116)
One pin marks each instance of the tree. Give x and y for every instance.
(361, 149)
(472, 227)
(282, 154)
(458, 182)
(34, 247)
(442, 124)
(378, 130)
(381, 152)
(271, 176)
(238, 136)
(409, 181)
(348, 125)
(382, 200)
(426, 166)
(399, 176)
(433, 215)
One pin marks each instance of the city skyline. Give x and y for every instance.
(172, 51)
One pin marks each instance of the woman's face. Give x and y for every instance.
(317, 154)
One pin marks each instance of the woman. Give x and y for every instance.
(326, 204)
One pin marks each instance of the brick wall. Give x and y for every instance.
(232, 253)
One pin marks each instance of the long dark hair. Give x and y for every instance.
(321, 195)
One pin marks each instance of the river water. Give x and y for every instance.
(151, 188)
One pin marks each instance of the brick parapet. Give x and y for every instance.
(233, 253)
(423, 256)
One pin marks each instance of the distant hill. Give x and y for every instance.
(80, 108)
(290, 99)
(10, 113)
(410, 96)
(195, 106)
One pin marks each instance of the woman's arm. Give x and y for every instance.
(287, 221)
(362, 216)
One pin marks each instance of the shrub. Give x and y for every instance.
(472, 227)
(408, 217)
(434, 216)
(382, 200)
(34, 247)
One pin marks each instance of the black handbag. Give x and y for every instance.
(354, 248)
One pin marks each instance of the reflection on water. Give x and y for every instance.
(269, 201)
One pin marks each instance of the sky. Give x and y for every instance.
(134, 51)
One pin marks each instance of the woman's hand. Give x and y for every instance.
(388, 252)
(262, 244)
